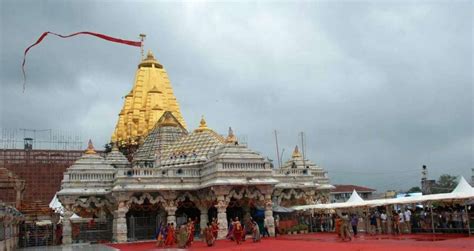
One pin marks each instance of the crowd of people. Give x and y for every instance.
(403, 221)
(183, 237)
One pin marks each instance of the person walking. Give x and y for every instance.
(383, 219)
(407, 215)
(354, 223)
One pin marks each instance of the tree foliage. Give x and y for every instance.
(445, 184)
(414, 190)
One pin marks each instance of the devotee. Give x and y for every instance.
(255, 231)
(338, 226)
(407, 215)
(396, 223)
(159, 236)
(237, 229)
(354, 223)
(182, 236)
(170, 240)
(383, 219)
(345, 232)
(215, 228)
(230, 231)
(401, 219)
(209, 235)
(190, 229)
(373, 224)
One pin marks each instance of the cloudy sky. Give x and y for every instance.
(379, 88)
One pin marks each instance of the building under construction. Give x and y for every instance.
(32, 164)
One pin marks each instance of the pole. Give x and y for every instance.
(278, 151)
(432, 218)
(468, 220)
(302, 148)
(142, 39)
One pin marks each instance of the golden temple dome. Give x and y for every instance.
(202, 125)
(150, 61)
(90, 148)
(296, 153)
(231, 139)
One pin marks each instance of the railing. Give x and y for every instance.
(91, 176)
(292, 172)
(243, 166)
(157, 172)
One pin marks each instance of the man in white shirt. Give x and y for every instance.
(383, 218)
(408, 220)
(402, 221)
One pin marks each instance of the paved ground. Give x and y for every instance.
(75, 247)
(419, 242)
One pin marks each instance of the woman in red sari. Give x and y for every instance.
(170, 236)
(238, 230)
(215, 228)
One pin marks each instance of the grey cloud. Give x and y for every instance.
(379, 88)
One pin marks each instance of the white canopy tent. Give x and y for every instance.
(463, 191)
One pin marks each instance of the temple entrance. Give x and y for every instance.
(187, 209)
(143, 220)
(234, 209)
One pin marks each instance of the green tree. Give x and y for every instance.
(414, 190)
(445, 184)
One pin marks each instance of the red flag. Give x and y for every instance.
(105, 37)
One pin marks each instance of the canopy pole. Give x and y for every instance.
(468, 220)
(432, 218)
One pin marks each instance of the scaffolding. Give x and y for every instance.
(41, 139)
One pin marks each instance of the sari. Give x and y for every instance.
(209, 236)
(255, 232)
(170, 237)
(215, 229)
(182, 237)
(238, 231)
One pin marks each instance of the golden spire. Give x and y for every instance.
(90, 148)
(231, 139)
(202, 125)
(151, 96)
(296, 153)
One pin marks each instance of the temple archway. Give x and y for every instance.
(143, 220)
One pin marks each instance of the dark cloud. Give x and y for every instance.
(378, 88)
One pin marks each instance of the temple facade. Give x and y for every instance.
(178, 174)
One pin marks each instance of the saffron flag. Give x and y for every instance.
(102, 36)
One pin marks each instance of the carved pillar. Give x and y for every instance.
(204, 217)
(221, 207)
(170, 206)
(19, 187)
(120, 223)
(269, 220)
(67, 231)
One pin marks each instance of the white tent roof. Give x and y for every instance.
(355, 198)
(463, 191)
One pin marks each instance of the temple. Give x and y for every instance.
(176, 174)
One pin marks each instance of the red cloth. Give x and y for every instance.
(215, 229)
(170, 237)
(102, 36)
(238, 232)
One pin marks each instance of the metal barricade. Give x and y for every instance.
(32, 235)
(143, 228)
(93, 231)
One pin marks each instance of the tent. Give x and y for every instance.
(463, 191)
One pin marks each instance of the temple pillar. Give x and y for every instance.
(67, 230)
(222, 216)
(222, 202)
(171, 208)
(269, 220)
(120, 223)
(204, 218)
